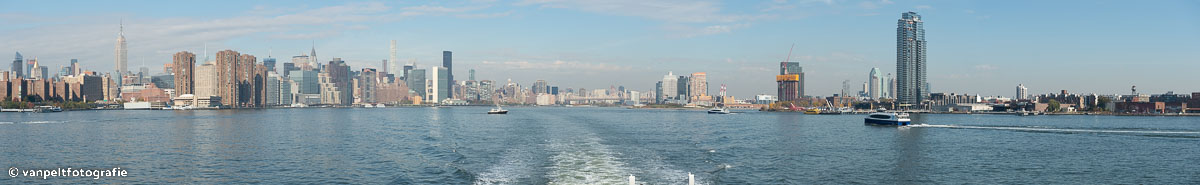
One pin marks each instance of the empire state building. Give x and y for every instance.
(121, 54)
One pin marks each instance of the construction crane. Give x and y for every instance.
(789, 56)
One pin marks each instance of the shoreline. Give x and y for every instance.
(654, 108)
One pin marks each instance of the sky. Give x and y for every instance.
(974, 47)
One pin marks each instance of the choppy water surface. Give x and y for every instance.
(462, 145)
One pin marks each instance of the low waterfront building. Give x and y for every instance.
(1141, 107)
(963, 107)
(190, 100)
(1194, 103)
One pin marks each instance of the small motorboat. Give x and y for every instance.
(888, 118)
(498, 110)
(718, 110)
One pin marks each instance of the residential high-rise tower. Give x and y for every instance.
(392, 59)
(184, 62)
(1022, 92)
(910, 60)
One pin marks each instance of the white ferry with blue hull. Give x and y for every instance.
(888, 118)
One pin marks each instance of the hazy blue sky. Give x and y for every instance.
(977, 47)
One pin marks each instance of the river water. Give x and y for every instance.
(555, 145)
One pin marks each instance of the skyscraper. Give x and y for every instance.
(17, 67)
(441, 90)
(658, 92)
(407, 69)
(384, 70)
(448, 62)
(312, 58)
(698, 84)
(891, 86)
(670, 86)
(339, 76)
(273, 89)
(910, 60)
(184, 62)
(392, 59)
(29, 64)
(248, 81)
(539, 86)
(205, 81)
(227, 77)
(416, 81)
(790, 81)
(1022, 92)
(269, 62)
(121, 54)
(306, 81)
(875, 84)
(75, 66)
(682, 86)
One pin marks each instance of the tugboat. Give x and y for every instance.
(888, 118)
(718, 110)
(498, 110)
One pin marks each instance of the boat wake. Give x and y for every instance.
(585, 161)
(1145, 132)
(510, 168)
(39, 122)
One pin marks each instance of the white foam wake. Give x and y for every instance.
(513, 167)
(1057, 129)
(585, 161)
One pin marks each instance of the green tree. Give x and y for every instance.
(1053, 107)
(1101, 103)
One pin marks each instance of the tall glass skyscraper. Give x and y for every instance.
(17, 67)
(910, 60)
(447, 62)
(876, 84)
(416, 81)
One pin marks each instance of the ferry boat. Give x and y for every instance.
(498, 110)
(812, 111)
(888, 118)
(47, 109)
(718, 110)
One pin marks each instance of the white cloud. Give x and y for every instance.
(485, 15)
(985, 67)
(684, 31)
(682, 17)
(90, 38)
(874, 4)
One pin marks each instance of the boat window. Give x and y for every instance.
(881, 116)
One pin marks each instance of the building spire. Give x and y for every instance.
(122, 27)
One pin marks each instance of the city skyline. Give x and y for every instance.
(977, 47)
